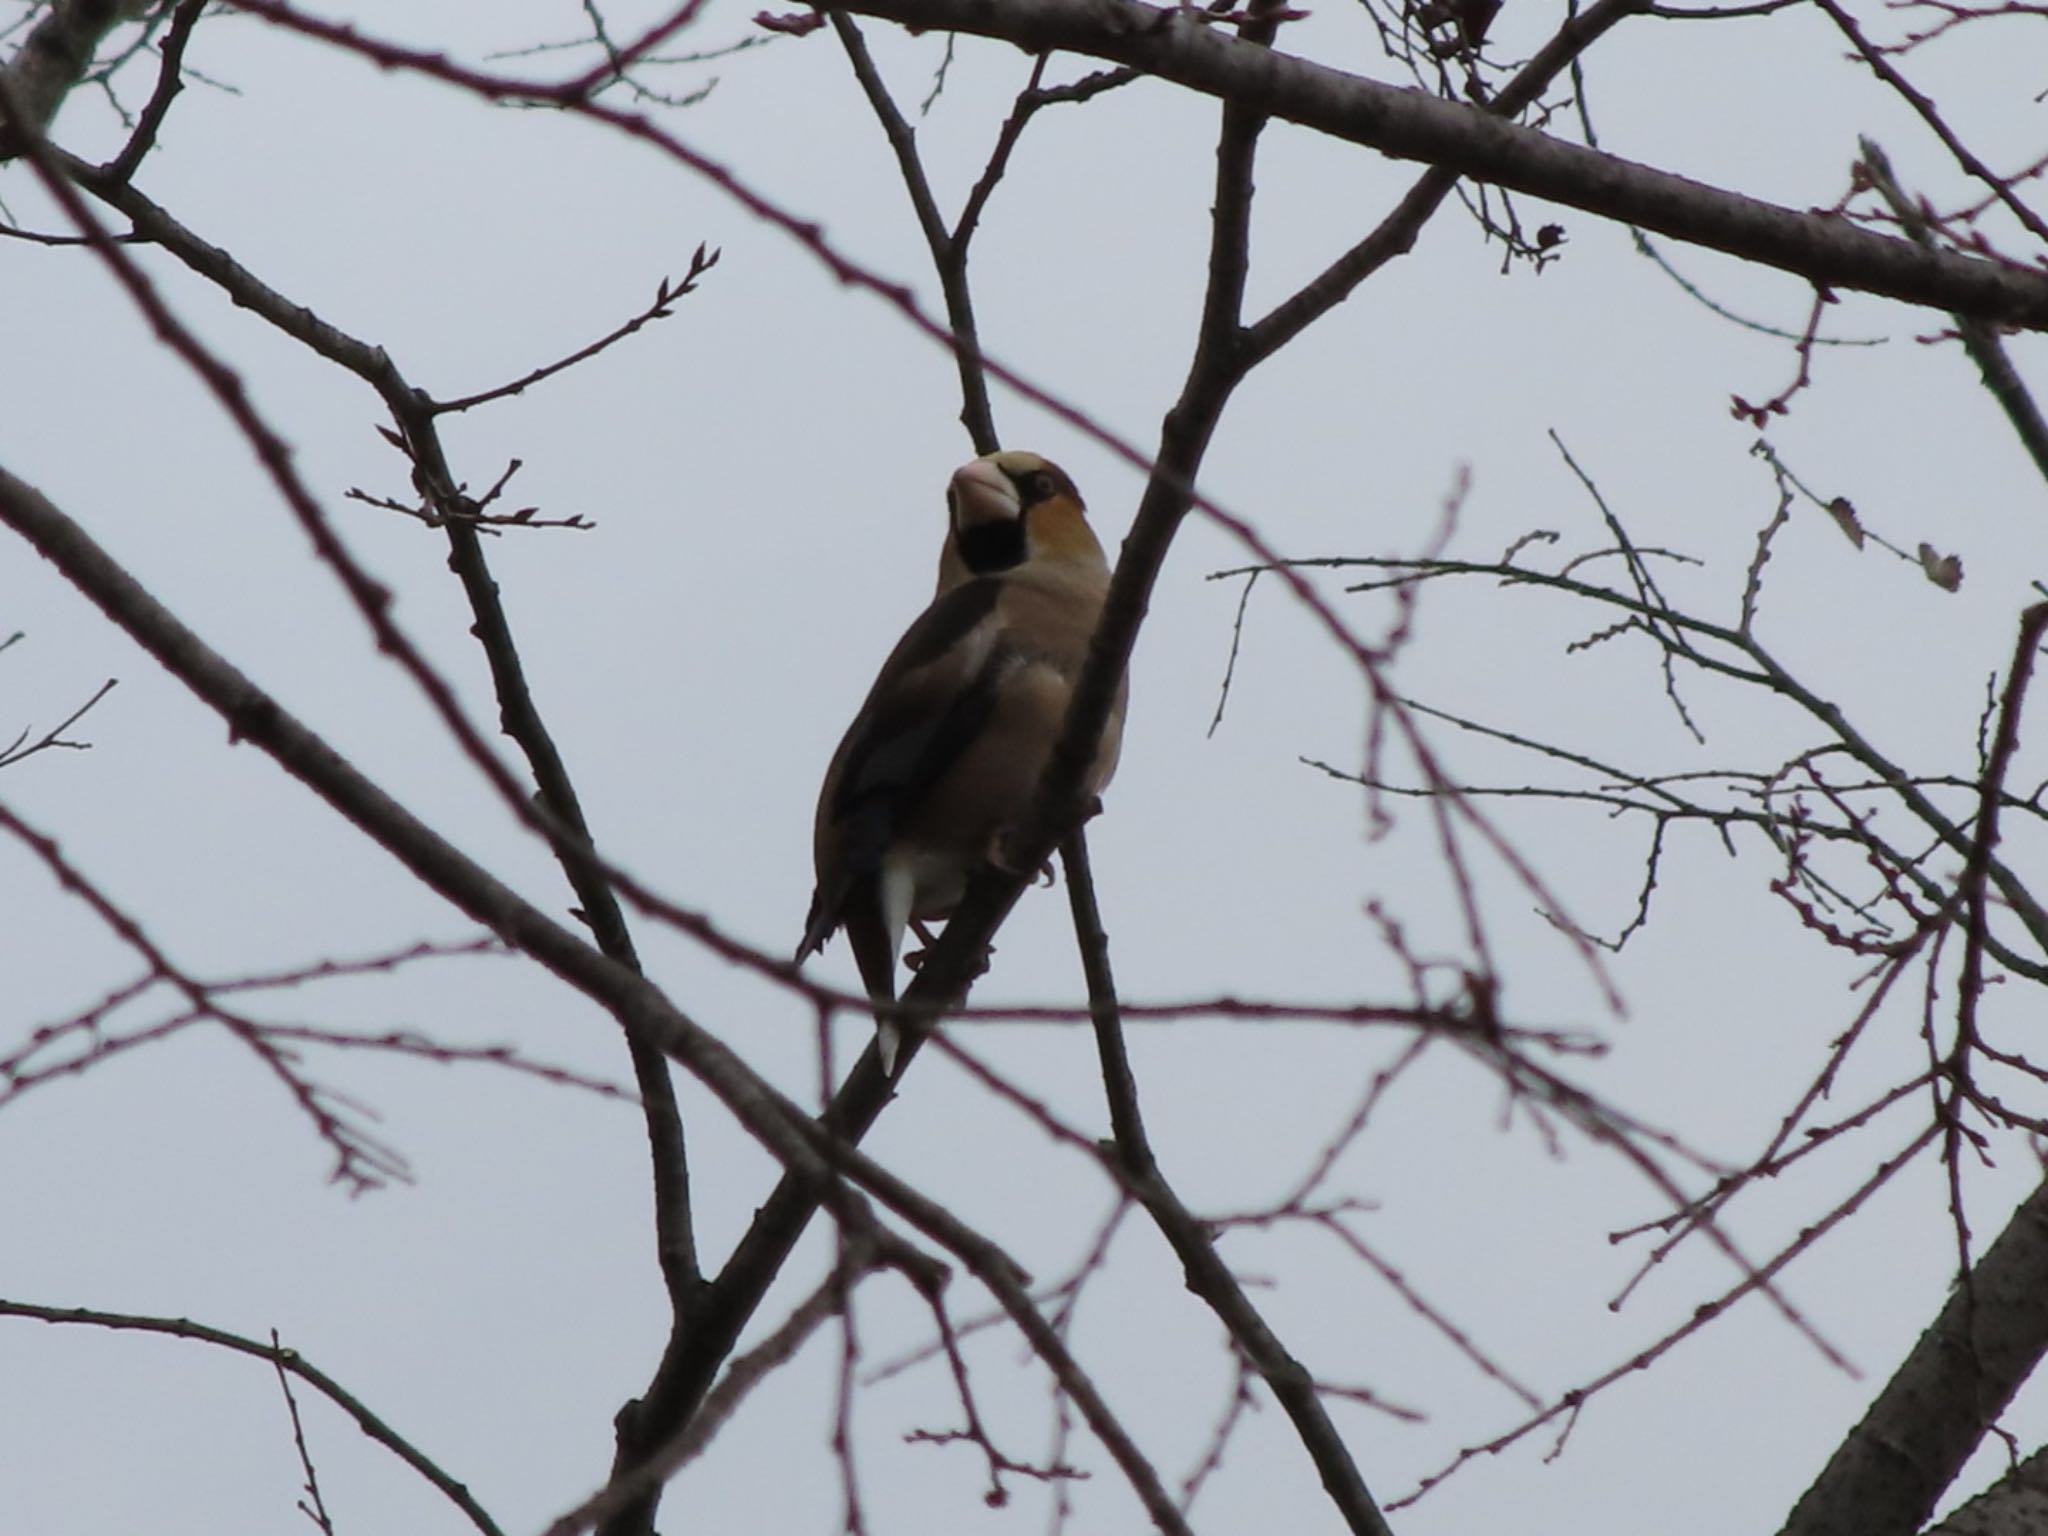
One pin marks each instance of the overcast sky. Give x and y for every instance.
(766, 471)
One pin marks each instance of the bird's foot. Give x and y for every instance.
(914, 959)
(1000, 856)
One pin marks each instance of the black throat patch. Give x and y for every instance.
(993, 546)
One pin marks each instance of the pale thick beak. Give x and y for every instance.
(982, 493)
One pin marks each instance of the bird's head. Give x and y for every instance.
(1007, 508)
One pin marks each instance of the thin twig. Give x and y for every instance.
(170, 81)
(316, 1509)
(1207, 1275)
(362, 1161)
(54, 739)
(2000, 187)
(1979, 339)
(284, 1360)
(666, 292)
(948, 248)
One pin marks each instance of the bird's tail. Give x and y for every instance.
(874, 951)
(819, 925)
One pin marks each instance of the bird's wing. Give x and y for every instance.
(932, 698)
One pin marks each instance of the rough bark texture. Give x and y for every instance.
(2015, 1505)
(1887, 1476)
(54, 58)
(1410, 125)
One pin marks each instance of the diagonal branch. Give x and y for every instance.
(285, 1360)
(948, 249)
(2015, 1505)
(170, 80)
(1972, 887)
(1979, 340)
(1190, 1238)
(1396, 233)
(51, 60)
(819, 1162)
(666, 292)
(54, 738)
(361, 1160)
(1885, 70)
(1765, 671)
(560, 814)
(1220, 363)
(313, 1506)
(745, 1373)
(1408, 125)
(952, 965)
(1885, 1478)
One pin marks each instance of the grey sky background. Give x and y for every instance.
(766, 471)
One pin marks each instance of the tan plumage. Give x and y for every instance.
(944, 755)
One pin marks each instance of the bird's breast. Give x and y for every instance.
(988, 790)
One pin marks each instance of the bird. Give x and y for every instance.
(941, 760)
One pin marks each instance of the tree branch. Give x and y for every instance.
(1767, 672)
(818, 1161)
(948, 253)
(1999, 186)
(1885, 1478)
(562, 820)
(741, 1377)
(1470, 141)
(1208, 1277)
(2015, 1505)
(53, 59)
(1395, 234)
(1979, 340)
(170, 80)
(285, 1360)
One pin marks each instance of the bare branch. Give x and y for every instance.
(746, 1372)
(557, 813)
(284, 1360)
(1958, 1379)
(170, 80)
(1472, 142)
(2015, 1505)
(2000, 377)
(1565, 1408)
(54, 738)
(666, 292)
(1885, 70)
(948, 248)
(1192, 1241)
(313, 1505)
(362, 1161)
(816, 1156)
(51, 60)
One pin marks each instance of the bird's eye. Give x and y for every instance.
(1038, 486)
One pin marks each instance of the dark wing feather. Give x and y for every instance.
(918, 718)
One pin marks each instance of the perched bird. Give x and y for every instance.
(944, 755)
